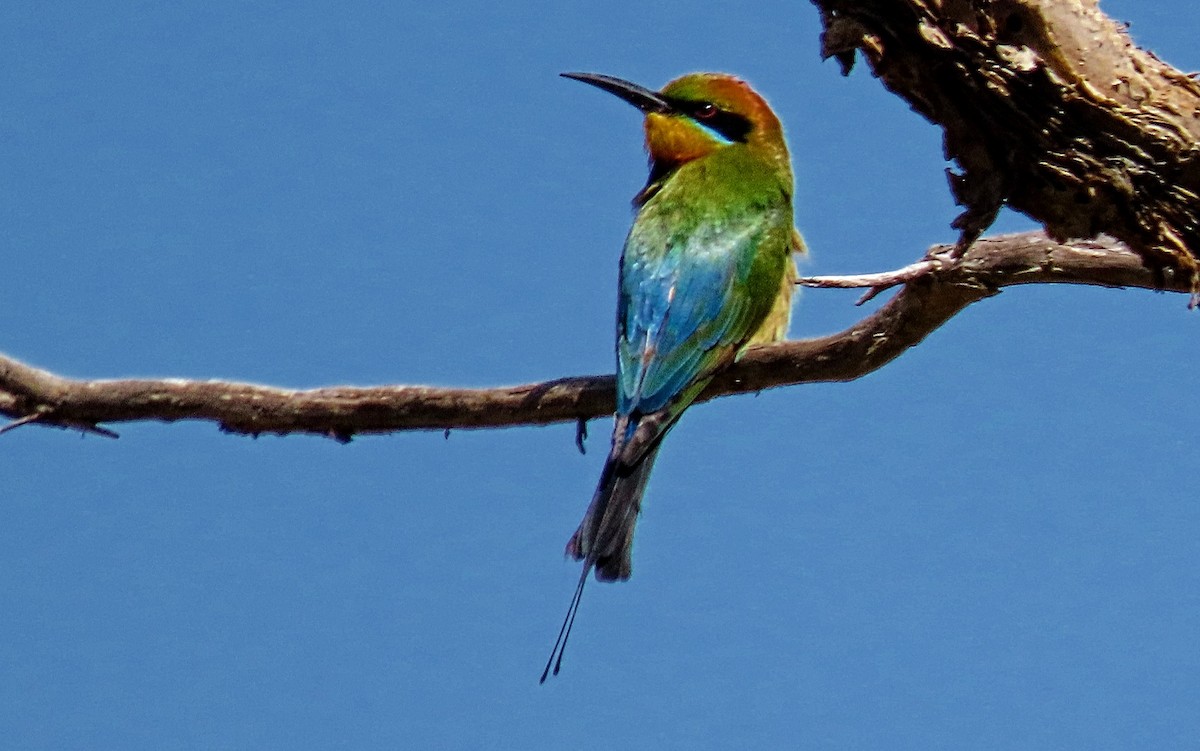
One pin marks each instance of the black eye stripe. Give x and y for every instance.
(730, 125)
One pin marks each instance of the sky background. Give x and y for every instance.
(992, 543)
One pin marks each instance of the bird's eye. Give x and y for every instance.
(706, 110)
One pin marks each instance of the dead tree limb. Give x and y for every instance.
(1046, 106)
(928, 299)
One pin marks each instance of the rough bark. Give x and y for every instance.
(934, 290)
(1046, 106)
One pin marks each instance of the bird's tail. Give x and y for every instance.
(604, 540)
(605, 536)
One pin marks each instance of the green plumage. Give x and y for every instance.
(705, 263)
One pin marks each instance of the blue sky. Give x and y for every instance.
(991, 543)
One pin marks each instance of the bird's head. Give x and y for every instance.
(698, 114)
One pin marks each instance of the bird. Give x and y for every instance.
(706, 270)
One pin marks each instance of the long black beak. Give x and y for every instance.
(644, 99)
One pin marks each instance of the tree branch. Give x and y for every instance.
(934, 290)
(1046, 106)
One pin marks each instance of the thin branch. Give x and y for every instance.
(934, 291)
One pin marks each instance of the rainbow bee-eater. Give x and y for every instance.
(706, 271)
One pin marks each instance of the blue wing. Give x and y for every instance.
(684, 310)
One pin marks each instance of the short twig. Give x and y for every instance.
(102, 432)
(879, 282)
(26, 420)
(581, 435)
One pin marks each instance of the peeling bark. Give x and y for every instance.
(1046, 106)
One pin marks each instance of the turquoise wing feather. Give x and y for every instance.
(685, 305)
